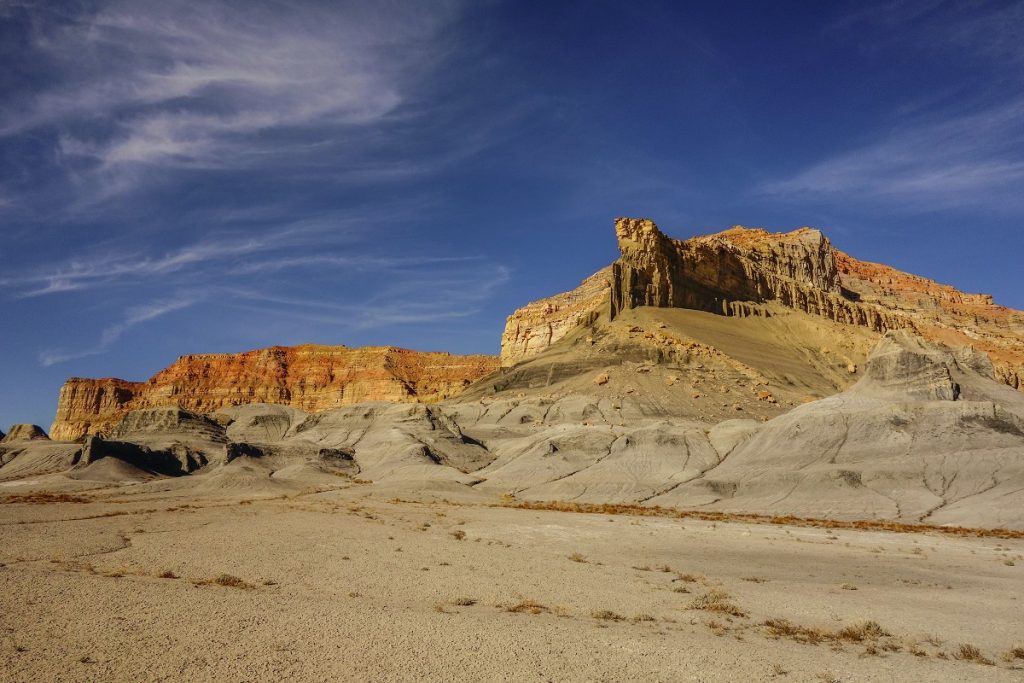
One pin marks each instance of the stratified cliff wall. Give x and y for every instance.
(732, 272)
(539, 324)
(308, 377)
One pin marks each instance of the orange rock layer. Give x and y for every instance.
(308, 377)
(732, 272)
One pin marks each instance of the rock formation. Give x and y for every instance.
(926, 434)
(734, 272)
(25, 432)
(539, 324)
(308, 377)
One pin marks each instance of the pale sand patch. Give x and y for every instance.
(334, 587)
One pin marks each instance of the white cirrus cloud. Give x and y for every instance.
(177, 84)
(964, 160)
(133, 316)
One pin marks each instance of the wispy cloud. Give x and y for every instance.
(439, 291)
(955, 147)
(222, 85)
(965, 160)
(235, 248)
(985, 29)
(123, 268)
(276, 156)
(136, 315)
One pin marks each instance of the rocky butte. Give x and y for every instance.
(732, 273)
(309, 377)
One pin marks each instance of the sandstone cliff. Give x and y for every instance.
(733, 272)
(537, 325)
(308, 377)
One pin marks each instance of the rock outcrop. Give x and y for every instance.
(735, 272)
(25, 432)
(925, 435)
(309, 377)
(539, 324)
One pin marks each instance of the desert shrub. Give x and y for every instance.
(716, 600)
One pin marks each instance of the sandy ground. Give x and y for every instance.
(343, 585)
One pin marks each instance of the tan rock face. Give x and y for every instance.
(732, 272)
(308, 377)
(24, 432)
(539, 324)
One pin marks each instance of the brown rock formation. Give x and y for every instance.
(732, 272)
(308, 377)
(24, 432)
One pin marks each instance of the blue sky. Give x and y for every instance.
(189, 177)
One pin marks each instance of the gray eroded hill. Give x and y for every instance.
(926, 435)
(670, 409)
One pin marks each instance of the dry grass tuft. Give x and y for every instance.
(459, 535)
(970, 653)
(527, 607)
(716, 600)
(226, 580)
(787, 520)
(167, 574)
(866, 631)
(42, 498)
(231, 581)
(607, 615)
(784, 628)
(464, 602)
(862, 630)
(1013, 653)
(717, 627)
(576, 557)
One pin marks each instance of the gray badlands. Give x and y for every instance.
(746, 456)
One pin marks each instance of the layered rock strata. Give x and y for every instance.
(309, 377)
(539, 324)
(734, 272)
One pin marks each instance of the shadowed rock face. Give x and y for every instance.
(173, 460)
(310, 378)
(710, 273)
(734, 272)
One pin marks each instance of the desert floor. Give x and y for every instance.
(346, 585)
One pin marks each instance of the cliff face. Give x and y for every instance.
(730, 273)
(308, 377)
(539, 324)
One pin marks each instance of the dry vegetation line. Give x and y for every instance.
(784, 520)
(867, 633)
